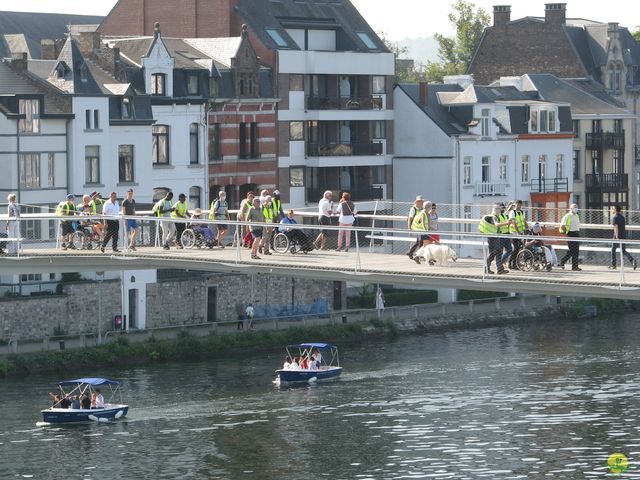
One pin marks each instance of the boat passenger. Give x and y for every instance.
(56, 400)
(294, 364)
(99, 399)
(75, 403)
(85, 402)
(313, 365)
(287, 363)
(65, 402)
(318, 357)
(304, 364)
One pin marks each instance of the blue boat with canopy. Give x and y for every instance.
(309, 363)
(68, 406)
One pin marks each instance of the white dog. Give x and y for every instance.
(434, 253)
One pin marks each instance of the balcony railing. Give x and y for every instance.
(608, 182)
(548, 185)
(605, 140)
(358, 194)
(372, 102)
(637, 152)
(485, 189)
(344, 149)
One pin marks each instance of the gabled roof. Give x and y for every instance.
(37, 26)
(78, 79)
(183, 53)
(440, 115)
(474, 94)
(340, 15)
(220, 50)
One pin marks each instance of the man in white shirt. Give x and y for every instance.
(99, 397)
(111, 208)
(325, 210)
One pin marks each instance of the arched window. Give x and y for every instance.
(159, 193)
(194, 197)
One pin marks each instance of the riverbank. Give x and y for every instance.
(187, 346)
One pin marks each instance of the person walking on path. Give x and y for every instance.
(416, 222)
(13, 224)
(379, 302)
(489, 225)
(66, 209)
(180, 212)
(129, 209)
(111, 208)
(570, 225)
(255, 215)
(325, 210)
(505, 242)
(619, 233)
(249, 313)
(347, 216)
(219, 213)
(163, 209)
(518, 226)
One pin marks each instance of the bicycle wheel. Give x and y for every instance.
(188, 238)
(281, 243)
(525, 260)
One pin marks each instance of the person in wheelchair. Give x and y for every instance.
(295, 235)
(201, 229)
(543, 255)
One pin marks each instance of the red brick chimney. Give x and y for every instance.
(424, 93)
(555, 13)
(501, 15)
(88, 43)
(48, 49)
(19, 62)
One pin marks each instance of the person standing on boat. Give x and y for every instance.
(99, 398)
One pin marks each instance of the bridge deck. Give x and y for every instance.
(594, 280)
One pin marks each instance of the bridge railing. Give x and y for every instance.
(377, 242)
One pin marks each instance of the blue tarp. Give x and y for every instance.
(313, 345)
(90, 381)
(319, 307)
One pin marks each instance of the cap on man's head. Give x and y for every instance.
(182, 195)
(130, 190)
(276, 193)
(256, 199)
(94, 193)
(419, 198)
(70, 196)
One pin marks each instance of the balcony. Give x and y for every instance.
(608, 182)
(373, 102)
(487, 189)
(344, 149)
(358, 194)
(549, 185)
(605, 140)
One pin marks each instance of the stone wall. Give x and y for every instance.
(169, 303)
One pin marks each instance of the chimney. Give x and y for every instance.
(424, 93)
(555, 13)
(501, 15)
(613, 31)
(47, 49)
(88, 43)
(19, 61)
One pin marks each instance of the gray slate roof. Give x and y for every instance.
(440, 115)
(36, 26)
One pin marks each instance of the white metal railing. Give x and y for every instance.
(483, 189)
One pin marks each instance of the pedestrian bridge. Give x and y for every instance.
(376, 255)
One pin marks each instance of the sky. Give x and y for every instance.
(406, 18)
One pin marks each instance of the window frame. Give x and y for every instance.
(31, 123)
(194, 144)
(122, 160)
(467, 170)
(156, 145)
(51, 170)
(576, 163)
(559, 166)
(503, 168)
(525, 169)
(485, 168)
(91, 165)
(29, 165)
(193, 80)
(158, 86)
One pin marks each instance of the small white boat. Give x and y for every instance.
(329, 368)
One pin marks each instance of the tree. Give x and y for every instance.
(456, 52)
(405, 69)
(636, 34)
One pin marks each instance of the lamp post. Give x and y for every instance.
(100, 280)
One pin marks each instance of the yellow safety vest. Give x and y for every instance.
(503, 217)
(520, 223)
(566, 228)
(488, 227)
(96, 206)
(180, 210)
(420, 221)
(161, 207)
(275, 205)
(268, 214)
(211, 207)
(64, 209)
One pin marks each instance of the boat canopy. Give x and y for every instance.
(313, 345)
(90, 381)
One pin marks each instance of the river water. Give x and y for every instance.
(548, 400)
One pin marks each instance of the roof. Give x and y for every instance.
(340, 15)
(37, 26)
(480, 94)
(583, 102)
(77, 78)
(184, 54)
(221, 50)
(90, 381)
(440, 115)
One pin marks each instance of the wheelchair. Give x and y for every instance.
(191, 238)
(284, 242)
(532, 258)
(85, 238)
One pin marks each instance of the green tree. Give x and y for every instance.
(636, 34)
(455, 53)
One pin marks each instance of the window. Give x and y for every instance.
(486, 169)
(552, 120)
(485, 122)
(213, 87)
(125, 163)
(92, 164)
(544, 116)
(51, 170)
(84, 73)
(158, 86)
(379, 84)
(534, 121)
(576, 164)
(126, 108)
(160, 145)
(214, 142)
(596, 126)
(194, 197)
(466, 171)
(524, 169)
(31, 110)
(194, 150)
(253, 140)
(542, 166)
(366, 39)
(296, 176)
(29, 170)
(296, 131)
(379, 131)
(296, 83)
(31, 277)
(502, 171)
(617, 126)
(87, 119)
(276, 37)
(576, 128)
(33, 227)
(559, 166)
(242, 141)
(618, 162)
(467, 216)
(96, 119)
(192, 84)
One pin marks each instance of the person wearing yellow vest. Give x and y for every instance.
(505, 243)
(219, 212)
(163, 209)
(269, 216)
(276, 206)
(570, 225)
(518, 226)
(490, 225)
(418, 222)
(181, 213)
(66, 209)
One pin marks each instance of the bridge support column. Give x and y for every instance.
(547, 299)
(523, 301)
(498, 303)
(45, 344)
(83, 341)
(447, 295)
(471, 305)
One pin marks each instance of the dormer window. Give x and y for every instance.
(84, 74)
(158, 84)
(485, 112)
(126, 108)
(62, 71)
(192, 84)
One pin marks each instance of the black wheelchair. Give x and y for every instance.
(293, 241)
(532, 257)
(194, 238)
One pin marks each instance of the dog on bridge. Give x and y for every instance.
(436, 254)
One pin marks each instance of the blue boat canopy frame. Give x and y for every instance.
(90, 381)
